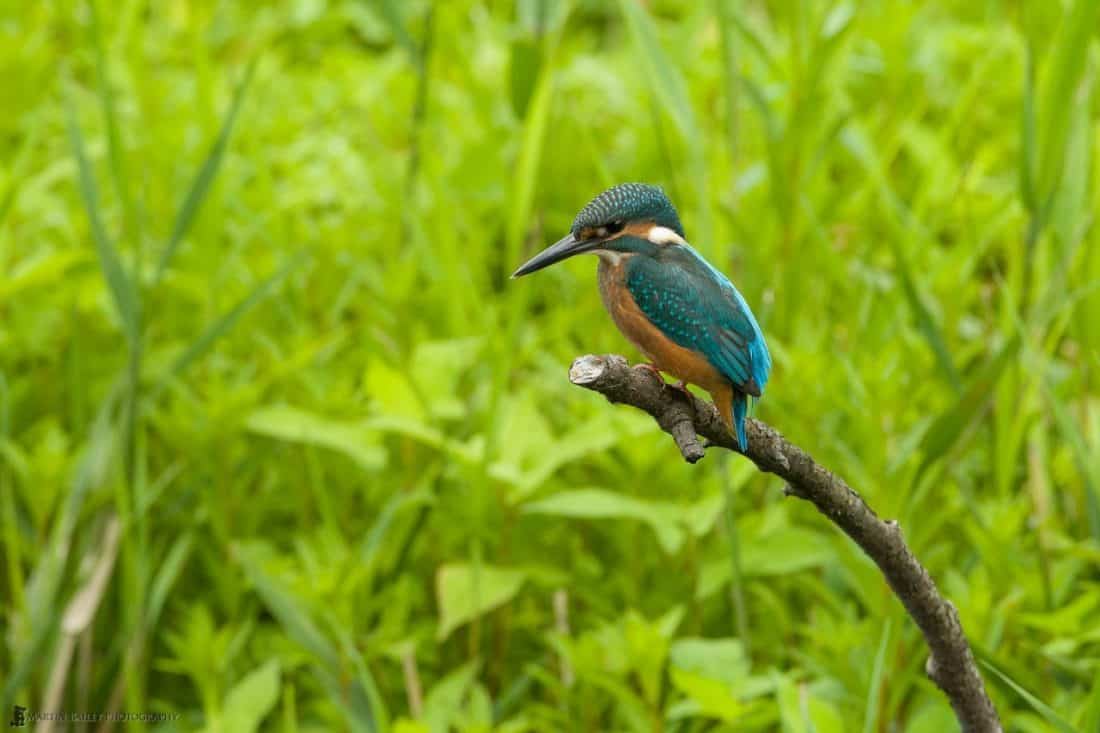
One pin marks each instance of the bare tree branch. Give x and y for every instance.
(951, 664)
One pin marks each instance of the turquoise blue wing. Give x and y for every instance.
(698, 308)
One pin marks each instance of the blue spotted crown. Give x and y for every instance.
(629, 202)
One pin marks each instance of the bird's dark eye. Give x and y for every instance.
(604, 231)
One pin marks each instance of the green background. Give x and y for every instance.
(283, 448)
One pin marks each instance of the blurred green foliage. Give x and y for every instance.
(255, 323)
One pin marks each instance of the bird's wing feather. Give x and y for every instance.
(698, 308)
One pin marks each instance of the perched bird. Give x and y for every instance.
(681, 312)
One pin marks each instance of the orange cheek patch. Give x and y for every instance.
(638, 229)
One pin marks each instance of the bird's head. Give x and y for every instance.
(629, 219)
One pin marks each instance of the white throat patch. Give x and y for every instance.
(664, 235)
(610, 256)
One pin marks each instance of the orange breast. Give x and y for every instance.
(685, 364)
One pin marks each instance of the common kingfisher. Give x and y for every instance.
(681, 312)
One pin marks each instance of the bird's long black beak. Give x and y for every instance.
(562, 249)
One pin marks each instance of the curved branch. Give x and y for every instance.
(951, 664)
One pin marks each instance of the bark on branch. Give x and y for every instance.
(950, 664)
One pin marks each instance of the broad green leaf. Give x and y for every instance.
(252, 698)
(717, 659)
(392, 394)
(803, 712)
(469, 451)
(784, 551)
(600, 504)
(647, 647)
(444, 700)
(40, 271)
(436, 369)
(531, 446)
(933, 717)
(777, 552)
(838, 20)
(535, 454)
(1074, 614)
(714, 697)
(464, 592)
(296, 425)
(404, 725)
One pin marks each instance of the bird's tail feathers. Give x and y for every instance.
(740, 409)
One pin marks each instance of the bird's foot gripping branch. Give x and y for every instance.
(950, 664)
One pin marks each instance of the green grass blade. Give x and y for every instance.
(192, 202)
(299, 625)
(756, 42)
(367, 709)
(944, 432)
(8, 518)
(114, 135)
(927, 323)
(228, 320)
(665, 81)
(669, 95)
(286, 608)
(1082, 456)
(726, 10)
(391, 11)
(527, 168)
(1092, 709)
(1069, 65)
(1028, 144)
(122, 290)
(737, 576)
(42, 612)
(372, 542)
(16, 173)
(874, 692)
(1071, 213)
(904, 226)
(167, 573)
(1036, 704)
